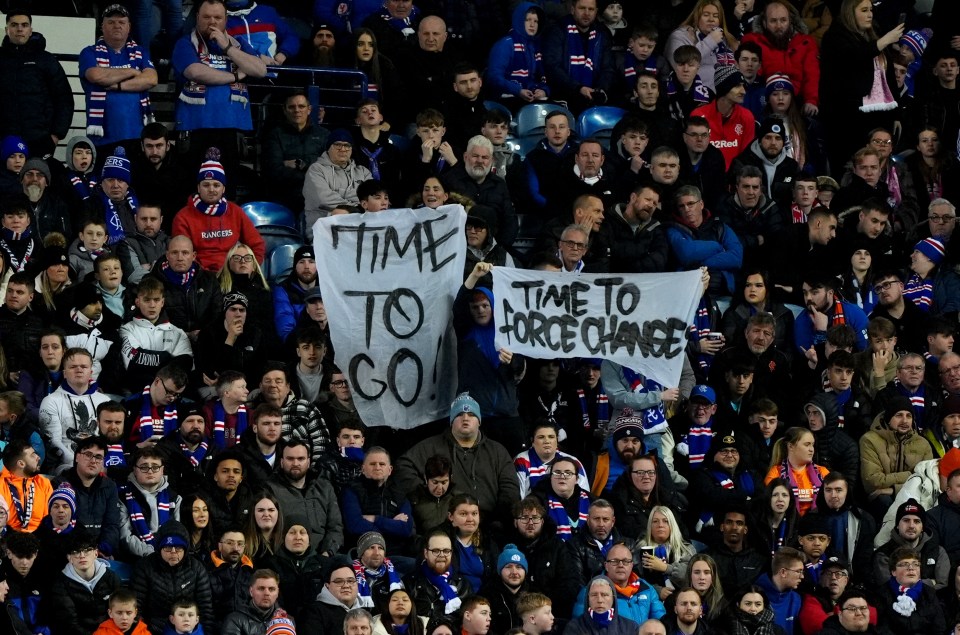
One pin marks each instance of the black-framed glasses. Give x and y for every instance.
(528, 520)
(883, 286)
(96, 458)
(644, 473)
(574, 245)
(563, 474)
(172, 393)
(238, 258)
(338, 383)
(620, 561)
(149, 469)
(440, 552)
(856, 609)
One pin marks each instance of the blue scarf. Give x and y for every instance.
(208, 209)
(353, 454)
(220, 424)
(813, 569)
(699, 330)
(83, 185)
(530, 463)
(601, 619)
(698, 441)
(843, 397)
(17, 264)
(526, 67)
(372, 157)
(197, 456)
(654, 418)
(138, 521)
(582, 59)
(180, 279)
(779, 536)
(905, 597)
(115, 231)
(920, 292)
(48, 523)
(603, 408)
(744, 483)
(558, 513)
(23, 509)
(865, 297)
(698, 91)
(97, 98)
(196, 93)
(838, 531)
(170, 422)
(605, 545)
(441, 581)
(724, 55)
(399, 24)
(115, 456)
(386, 568)
(632, 66)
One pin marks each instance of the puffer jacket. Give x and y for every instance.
(327, 185)
(136, 250)
(427, 598)
(318, 502)
(582, 560)
(38, 100)
(63, 416)
(97, 509)
(887, 458)
(640, 250)
(515, 62)
(81, 604)
(584, 625)
(643, 605)
(713, 245)
(158, 585)
(301, 577)
(384, 502)
(926, 618)
(229, 585)
(249, 620)
(835, 450)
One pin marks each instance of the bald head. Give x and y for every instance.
(180, 253)
(432, 34)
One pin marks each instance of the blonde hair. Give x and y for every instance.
(791, 437)
(225, 276)
(712, 597)
(677, 549)
(693, 20)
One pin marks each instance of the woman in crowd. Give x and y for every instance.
(705, 28)
(474, 556)
(932, 287)
(793, 462)
(757, 294)
(802, 139)
(383, 82)
(637, 491)
(243, 274)
(398, 616)
(299, 566)
(197, 521)
(751, 615)
(665, 554)
(857, 286)
(775, 516)
(703, 577)
(53, 279)
(263, 535)
(934, 173)
(856, 81)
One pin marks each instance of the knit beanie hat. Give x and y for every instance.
(11, 145)
(290, 520)
(211, 169)
(896, 405)
(628, 424)
(511, 555)
(911, 508)
(85, 294)
(54, 255)
(280, 624)
(235, 298)
(369, 539)
(779, 81)
(726, 78)
(339, 136)
(464, 403)
(304, 251)
(932, 249)
(36, 164)
(916, 41)
(949, 462)
(117, 166)
(950, 406)
(66, 494)
(813, 523)
(770, 125)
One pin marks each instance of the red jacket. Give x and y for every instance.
(731, 135)
(213, 236)
(800, 62)
(109, 628)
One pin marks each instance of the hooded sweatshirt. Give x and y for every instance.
(515, 61)
(769, 166)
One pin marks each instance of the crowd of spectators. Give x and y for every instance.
(181, 453)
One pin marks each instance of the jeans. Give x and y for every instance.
(145, 24)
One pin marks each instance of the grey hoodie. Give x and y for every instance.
(100, 568)
(72, 144)
(769, 167)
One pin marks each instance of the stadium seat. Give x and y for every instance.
(266, 213)
(598, 122)
(531, 122)
(400, 142)
(496, 105)
(279, 263)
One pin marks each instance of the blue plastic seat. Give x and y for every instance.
(531, 121)
(598, 122)
(400, 142)
(489, 104)
(267, 213)
(279, 263)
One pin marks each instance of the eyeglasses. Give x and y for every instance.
(96, 458)
(883, 286)
(698, 135)
(343, 582)
(882, 142)
(233, 543)
(440, 552)
(728, 451)
(620, 562)
(856, 609)
(530, 520)
(341, 145)
(247, 259)
(81, 552)
(938, 218)
(574, 245)
(170, 393)
(172, 548)
(909, 566)
(563, 474)
(150, 469)
(835, 575)
(338, 383)
(644, 473)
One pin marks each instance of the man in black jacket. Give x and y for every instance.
(738, 563)
(767, 152)
(36, 101)
(192, 296)
(472, 177)
(230, 573)
(339, 595)
(260, 609)
(754, 216)
(536, 537)
(638, 243)
(703, 164)
(96, 494)
(432, 602)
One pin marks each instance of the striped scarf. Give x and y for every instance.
(115, 231)
(723, 52)
(195, 93)
(917, 400)
(363, 586)
(115, 456)
(698, 441)
(208, 209)
(404, 25)
(632, 66)
(566, 526)
(582, 60)
(170, 422)
(197, 456)
(17, 264)
(23, 509)
(785, 473)
(83, 185)
(838, 316)
(698, 92)
(220, 425)
(601, 618)
(179, 279)
(138, 521)
(603, 408)
(699, 330)
(654, 418)
(97, 100)
(441, 582)
(535, 468)
(920, 292)
(812, 570)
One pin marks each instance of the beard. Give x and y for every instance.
(477, 172)
(780, 41)
(323, 56)
(34, 192)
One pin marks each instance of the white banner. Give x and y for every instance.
(636, 320)
(388, 281)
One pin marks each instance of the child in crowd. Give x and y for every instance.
(184, 618)
(88, 246)
(80, 174)
(108, 273)
(123, 615)
(536, 612)
(685, 90)
(21, 249)
(14, 152)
